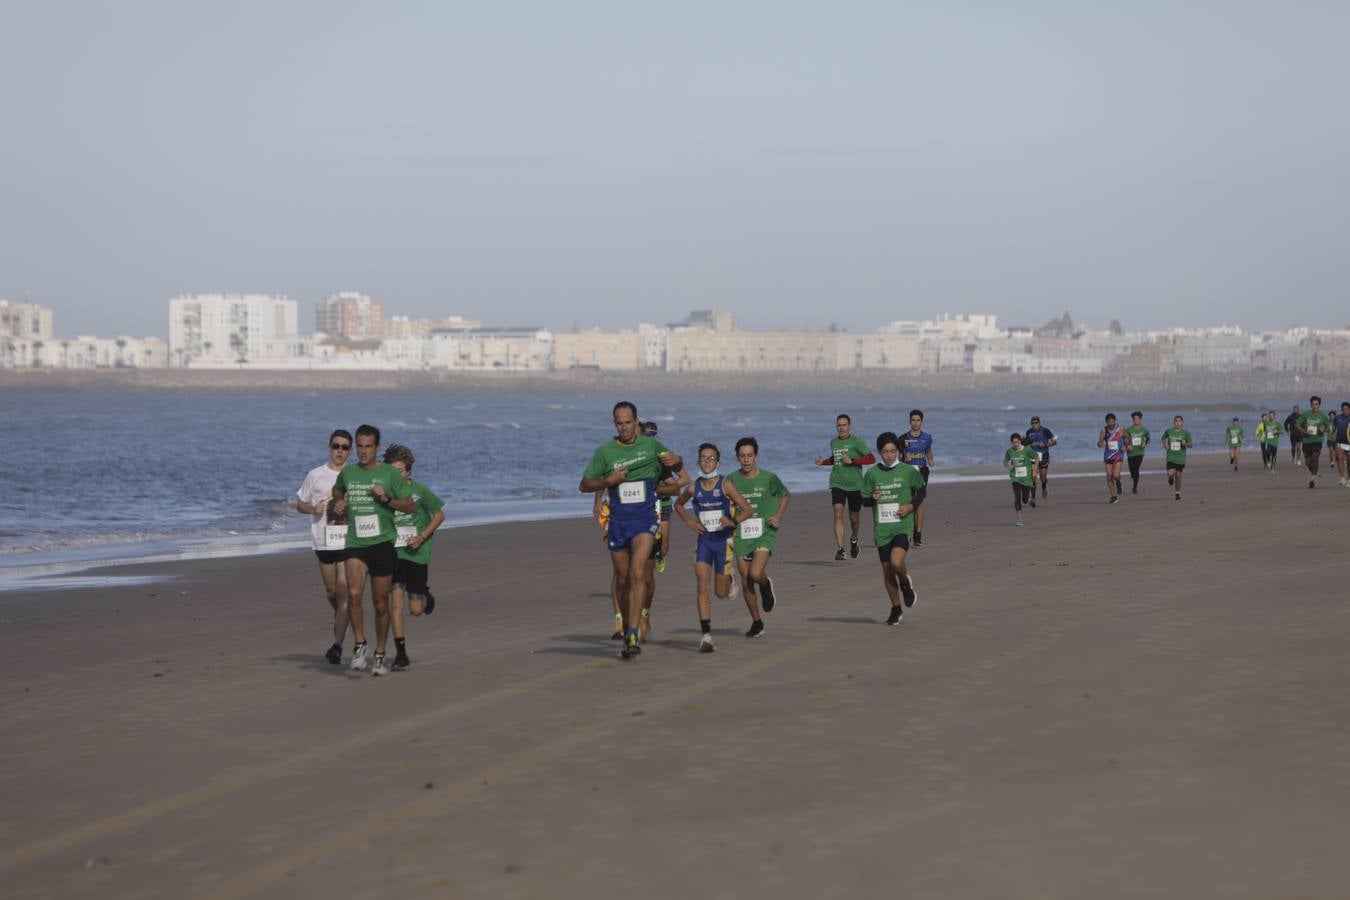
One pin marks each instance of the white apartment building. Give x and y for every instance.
(215, 329)
(1222, 349)
(25, 321)
(655, 343)
(490, 349)
(85, 352)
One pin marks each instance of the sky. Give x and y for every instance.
(610, 163)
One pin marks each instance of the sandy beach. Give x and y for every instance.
(1145, 700)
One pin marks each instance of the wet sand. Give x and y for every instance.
(1134, 701)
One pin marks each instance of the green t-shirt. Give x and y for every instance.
(1315, 426)
(1270, 433)
(1136, 439)
(847, 478)
(426, 505)
(1021, 462)
(898, 486)
(762, 493)
(637, 493)
(1234, 434)
(370, 522)
(1175, 440)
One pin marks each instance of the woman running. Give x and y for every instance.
(714, 523)
(1112, 441)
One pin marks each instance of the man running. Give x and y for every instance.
(370, 493)
(328, 535)
(890, 487)
(416, 532)
(757, 532)
(916, 448)
(1136, 439)
(627, 467)
(1342, 426)
(713, 521)
(848, 454)
(1233, 437)
(1177, 440)
(1040, 440)
(1111, 439)
(1268, 436)
(1315, 427)
(1020, 461)
(1295, 440)
(601, 513)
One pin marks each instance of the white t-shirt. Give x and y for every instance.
(315, 489)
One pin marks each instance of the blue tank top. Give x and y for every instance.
(712, 501)
(1118, 453)
(915, 449)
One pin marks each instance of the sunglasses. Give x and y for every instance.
(339, 446)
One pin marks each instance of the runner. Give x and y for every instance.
(1137, 438)
(328, 535)
(1268, 434)
(889, 487)
(601, 512)
(1021, 463)
(627, 467)
(714, 523)
(1040, 440)
(1177, 440)
(758, 532)
(1234, 436)
(668, 486)
(848, 454)
(1111, 439)
(916, 448)
(1315, 427)
(1342, 425)
(416, 531)
(369, 493)
(1291, 429)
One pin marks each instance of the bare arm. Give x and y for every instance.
(685, 515)
(776, 520)
(421, 537)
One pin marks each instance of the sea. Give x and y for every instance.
(99, 478)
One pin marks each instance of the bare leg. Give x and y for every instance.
(398, 599)
(379, 592)
(839, 525)
(704, 574)
(335, 585)
(892, 583)
(748, 588)
(356, 594)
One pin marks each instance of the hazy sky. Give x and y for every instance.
(609, 163)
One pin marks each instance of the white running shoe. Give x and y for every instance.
(706, 645)
(359, 663)
(379, 668)
(735, 589)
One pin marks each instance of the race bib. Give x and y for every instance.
(1175, 445)
(405, 534)
(711, 519)
(1312, 429)
(367, 526)
(1038, 456)
(752, 529)
(1114, 445)
(335, 537)
(1136, 440)
(1020, 471)
(888, 513)
(633, 492)
(1233, 441)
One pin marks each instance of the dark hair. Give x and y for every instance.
(707, 446)
(1314, 399)
(399, 453)
(370, 431)
(340, 433)
(747, 442)
(649, 428)
(1136, 413)
(1014, 437)
(843, 416)
(1110, 417)
(621, 404)
(887, 437)
(1182, 418)
(916, 412)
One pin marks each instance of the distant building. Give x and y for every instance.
(25, 321)
(596, 349)
(350, 315)
(231, 329)
(490, 349)
(403, 326)
(700, 350)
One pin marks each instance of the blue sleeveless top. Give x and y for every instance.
(712, 501)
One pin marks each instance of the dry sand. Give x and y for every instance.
(1146, 700)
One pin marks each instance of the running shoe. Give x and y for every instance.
(735, 589)
(907, 592)
(631, 647)
(1169, 480)
(358, 662)
(401, 660)
(706, 645)
(1178, 495)
(1045, 492)
(1033, 502)
(839, 555)
(618, 629)
(1119, 488)
(766, 596)
(431, 604)
(334, 655)
(1114, 500)
(918, 539)
(1018, 523)
(660, 565)
(379, 668)
(645, 625)
(1311, 484)
(897, 613)
(756, 628)
(1134, 489)
(853, 549)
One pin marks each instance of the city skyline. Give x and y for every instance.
(1161, 164)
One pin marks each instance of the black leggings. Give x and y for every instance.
(1135, 463)
(1021, 494)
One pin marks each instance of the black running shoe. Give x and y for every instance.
(767, 599)
(897, 613)
(907, 592)
(756, 628)
(918, 539)
(853, 549)
(334, 655)
(1134, 489)
(1033, 501)
(431, 604)
(839, 555)
(1119, 488)
(631, 647)
(1114, 500)
(401, 661)
(1311, 484)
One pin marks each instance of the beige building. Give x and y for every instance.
(880, 350)
(25, 321)
(700, 350)
(350, 315)
(596, 349)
